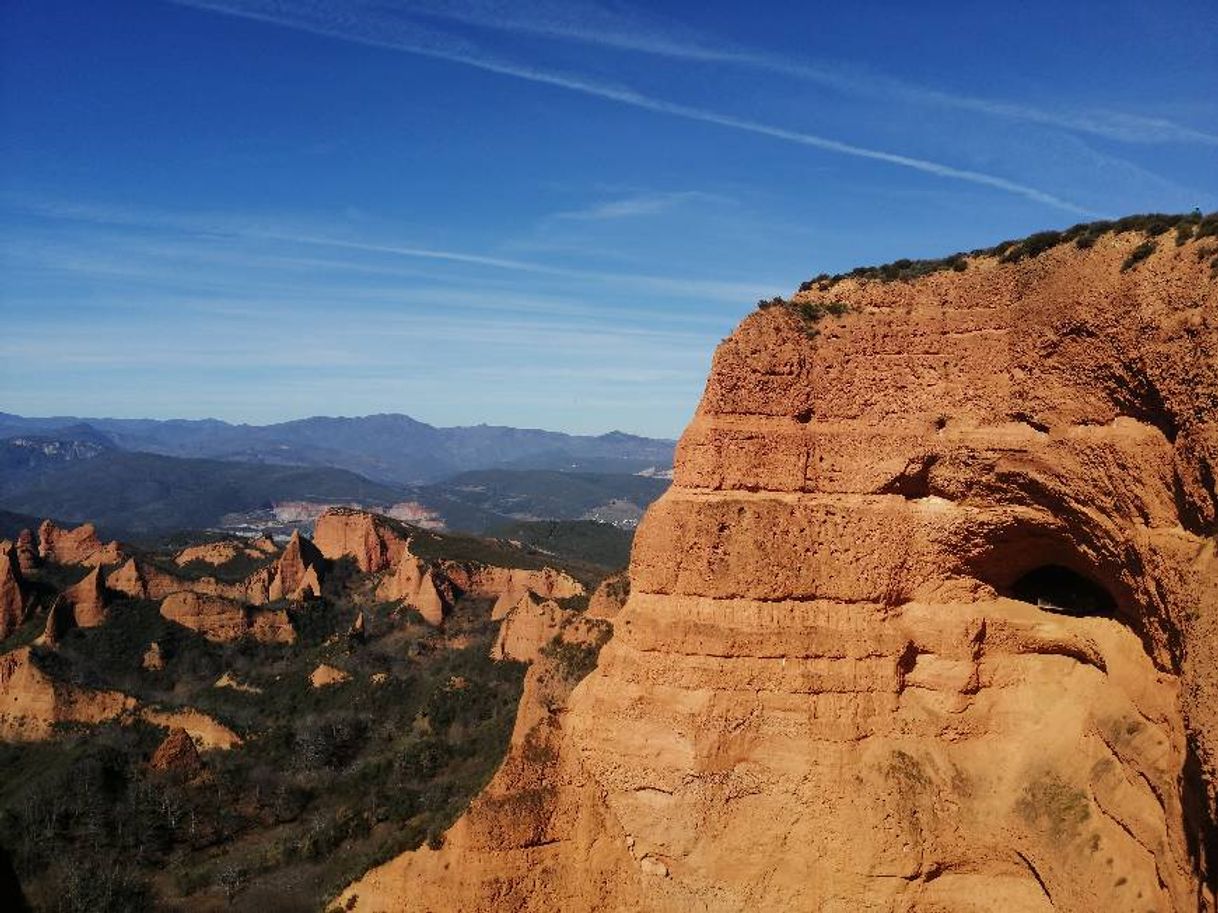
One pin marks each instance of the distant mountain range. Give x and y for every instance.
(392, 449)
(136, 477)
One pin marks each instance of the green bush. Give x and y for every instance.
(1138, 254)
(1084, 235)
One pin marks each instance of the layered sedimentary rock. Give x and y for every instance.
(373, 541)
(206, 732)
(76, 546)
(60, 619)
(821, 694)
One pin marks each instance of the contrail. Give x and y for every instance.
(322, 19)
(591, 24)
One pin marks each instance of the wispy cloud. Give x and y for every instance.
(592, 24)
(384, 26)
(215, 226)
(642, 204)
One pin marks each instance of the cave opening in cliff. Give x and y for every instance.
(1060, 589)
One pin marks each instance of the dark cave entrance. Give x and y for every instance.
(1058, 589)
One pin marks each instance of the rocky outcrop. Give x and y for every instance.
(206, 732)
(128, 579)
(27, 552)
(375, 542)
(263, 545)
(60, 620)
(216, 618)
(76, 546)
(177, 755)
(507, 585)
(227, 680)
(270, 626)
(419, 586)
(12, 593)
(296, 573)
(226, 550)
(222, 620)
(325, 675)
(154, 658)
(32, 702)
(822, 693)
(88, 600)
(534, 626)
(610, 596)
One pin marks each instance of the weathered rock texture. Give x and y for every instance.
(177, 755)
(325, 675)
(420, 587)
(507, 585)
(297, 573)
(373, 541)
(221, 620)
(76, 546)
(88, 600)
(610, 596)
(32, 702)
(27, 552)
(533, 626)
(819, 695)
(12, 595)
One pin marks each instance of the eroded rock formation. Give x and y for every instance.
(375, 542)
(88, 600)
(12, 594)
(220, 619)
(507, 585)
(296, 573)
(419, 586)
(27, 552)
(177, 755)
(821, 694)
(534, 626)
(76, 546)
(32, 702)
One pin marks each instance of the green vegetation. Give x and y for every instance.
(1138, 254)
(809, 312)
(1054, 806)
(601, 544)
(328, 782)
(575, 660)
(145, 492)
(1193, 225)
(504, 495)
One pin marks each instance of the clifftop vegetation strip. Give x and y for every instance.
(1192, 226)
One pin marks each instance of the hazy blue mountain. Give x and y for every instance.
(139, 492)
(390, 448)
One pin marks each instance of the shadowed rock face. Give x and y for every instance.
(821, 694)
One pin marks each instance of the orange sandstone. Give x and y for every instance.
(821, 695)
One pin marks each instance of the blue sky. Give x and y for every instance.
(543, 214)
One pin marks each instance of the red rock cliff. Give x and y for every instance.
(821, 693)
